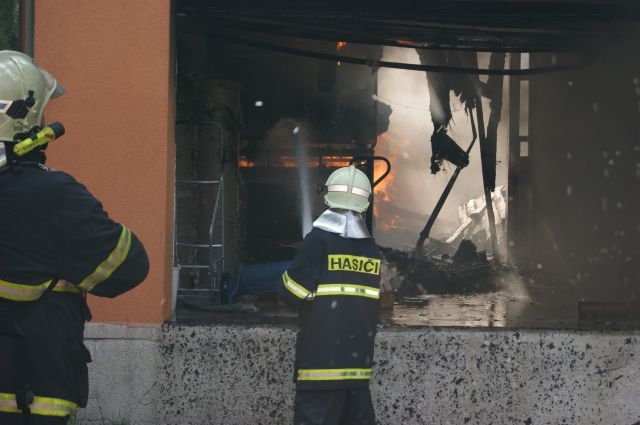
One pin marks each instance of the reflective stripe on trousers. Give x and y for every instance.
(44, 406)
(333, 374)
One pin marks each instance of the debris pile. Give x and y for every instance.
(467, 271)
(474, 224)
(467, 253)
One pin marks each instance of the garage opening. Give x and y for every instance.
(505, 164)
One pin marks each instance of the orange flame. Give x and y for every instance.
(287, 161)
(382, 192)
(245, 163)
(341, 44)
(335, 161)
(390, 146)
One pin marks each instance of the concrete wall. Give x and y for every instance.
(114, 60)
(243, 375)
(124, 375)
(584, 154)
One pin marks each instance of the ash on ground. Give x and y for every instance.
(438, 269)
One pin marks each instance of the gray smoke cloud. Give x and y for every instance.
(413, 189)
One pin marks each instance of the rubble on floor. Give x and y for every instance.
(467, 253)
(466, 271)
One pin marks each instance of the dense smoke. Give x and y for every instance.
(413, 191)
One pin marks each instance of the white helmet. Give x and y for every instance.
(348, 188)
(25, 89)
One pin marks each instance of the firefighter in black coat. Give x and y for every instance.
(335, 280)
(56, 245)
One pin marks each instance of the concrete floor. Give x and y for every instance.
(518, 302)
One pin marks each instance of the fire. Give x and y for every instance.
(335, 161)
(390, 145)
(339, 46)
(383, 192)
(245, 163)
(288, 161)
(285, 162)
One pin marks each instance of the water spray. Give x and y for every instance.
(302, 158)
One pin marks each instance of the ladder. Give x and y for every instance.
(210, 293)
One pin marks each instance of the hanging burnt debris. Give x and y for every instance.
(443, 147)
(470, 90)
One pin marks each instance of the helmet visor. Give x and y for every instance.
(55, 88)
(59, 91)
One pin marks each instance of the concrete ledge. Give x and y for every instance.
(124, 374)
(240, 375)
(112, 331)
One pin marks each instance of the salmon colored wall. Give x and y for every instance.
(114, 58)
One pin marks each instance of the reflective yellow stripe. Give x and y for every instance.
(295, 288)
(21, 292)
(108, 266)
(66, 287)
(333, 374)
(44, 406)
(345, 189)
(346, 289)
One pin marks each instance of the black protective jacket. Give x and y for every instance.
(56, 245)
(336, 283)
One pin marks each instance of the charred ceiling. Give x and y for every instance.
(472, 24)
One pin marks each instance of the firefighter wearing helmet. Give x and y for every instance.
(335, 281)
(56, 245)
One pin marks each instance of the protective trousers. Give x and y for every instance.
(334, 407)
(9, 419)
(48, 359)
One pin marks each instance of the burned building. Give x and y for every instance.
(308, 98)
(191, 120)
